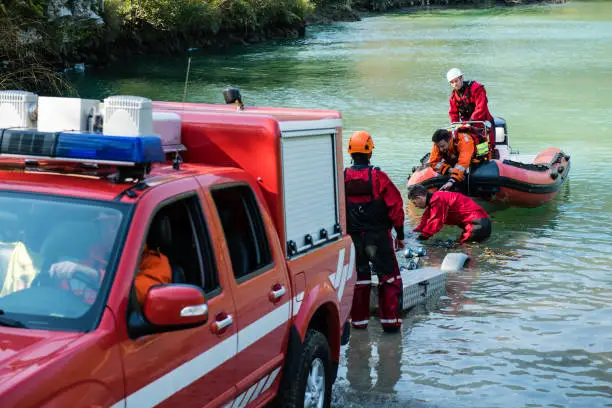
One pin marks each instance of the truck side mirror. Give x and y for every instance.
(175, 305)
(168, 308)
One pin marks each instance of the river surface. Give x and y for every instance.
(529, 322)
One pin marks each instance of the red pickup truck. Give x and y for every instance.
(244, 208)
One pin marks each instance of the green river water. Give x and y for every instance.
(529, 322)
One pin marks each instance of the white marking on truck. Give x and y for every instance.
(182, 376)
(343, 273)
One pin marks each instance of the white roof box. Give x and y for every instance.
(64, 114)
(168, 126)
(128, 116)
(17, 109)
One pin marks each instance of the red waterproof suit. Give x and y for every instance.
(470, 103)
(450, 208)
(374, 205)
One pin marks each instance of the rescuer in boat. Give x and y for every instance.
(453, 153)
(468, 103)
(374, 206)
(449, 208)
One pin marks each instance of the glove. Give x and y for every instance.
(448, 185)
(456, 175)
(445, 168)
(422, 238)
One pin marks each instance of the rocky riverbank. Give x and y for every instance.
(42, 37)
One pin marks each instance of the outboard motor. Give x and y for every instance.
(501, 131)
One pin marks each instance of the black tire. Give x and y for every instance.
(315, 349)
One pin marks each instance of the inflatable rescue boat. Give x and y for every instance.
(509, 180)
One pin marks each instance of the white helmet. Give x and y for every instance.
(453, 73)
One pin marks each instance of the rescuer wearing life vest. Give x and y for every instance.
(374, 205)
(448, 208)
(468, 102)
(453, 153)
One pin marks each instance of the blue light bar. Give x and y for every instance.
(77, 146)
(131, 149)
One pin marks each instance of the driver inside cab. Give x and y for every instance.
(154, 267)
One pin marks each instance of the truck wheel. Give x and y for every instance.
(312, 388)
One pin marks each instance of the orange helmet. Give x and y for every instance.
(361, 142)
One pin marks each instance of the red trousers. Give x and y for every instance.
(376, 248)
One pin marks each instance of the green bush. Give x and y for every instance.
(25, 9)
(166, 15)
(199, 16)
(279, 12)
(237, 15)
(212, 16)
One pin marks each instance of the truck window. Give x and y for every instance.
(244, 229)
(57, 257)
(178, 231)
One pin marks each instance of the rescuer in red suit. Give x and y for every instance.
(374, 206)
(468, 102)
(448, 208)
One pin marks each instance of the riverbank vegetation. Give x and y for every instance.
(41, 38)
(24, 53)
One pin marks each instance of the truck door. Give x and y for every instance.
(261, 289)
(190, 367)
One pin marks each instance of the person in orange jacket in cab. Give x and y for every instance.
(468, 102)
(374, 206)
(154, 269)
(452, 154)
(449, 208)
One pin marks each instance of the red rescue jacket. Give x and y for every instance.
(448, 208)
(471, 103)
(373, 201)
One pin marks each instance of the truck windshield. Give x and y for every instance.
(55, 253)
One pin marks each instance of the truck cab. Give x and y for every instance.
(160, 254)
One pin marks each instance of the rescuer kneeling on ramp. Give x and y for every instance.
(374, 206)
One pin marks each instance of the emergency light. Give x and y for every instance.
(81, 147)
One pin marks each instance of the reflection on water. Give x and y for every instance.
(529, 322)
(373, 367)
(386, 367)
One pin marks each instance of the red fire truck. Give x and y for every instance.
(245, 205)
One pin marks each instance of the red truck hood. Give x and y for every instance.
(23, 352)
